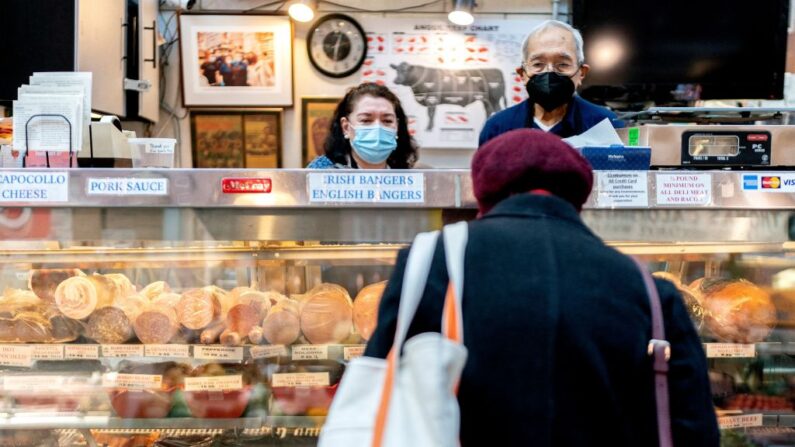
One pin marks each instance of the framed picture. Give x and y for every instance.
(316, 116)
(236, 60)
(236, 139)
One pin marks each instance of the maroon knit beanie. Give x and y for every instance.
(524, 160)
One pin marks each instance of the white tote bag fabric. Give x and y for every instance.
(408, 400)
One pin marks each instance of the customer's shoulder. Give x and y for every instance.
(321, 162)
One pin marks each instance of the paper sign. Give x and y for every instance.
(346, 187)
(310, 352)
(48, 352)
(81, 352)
(217, 353)
(132, 381)
(729, 350)
(16, 355)
(352, 352)
(746, 420)
(159, 147)
(684, 189)
(266, 352)
(216, 383)
(122, 350)
(37, 186)
(127, 186)
(170, 351)
(622, 189)
(301, 379)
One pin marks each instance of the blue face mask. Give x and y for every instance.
(374, 144)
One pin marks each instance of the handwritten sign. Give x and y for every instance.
(347, 187)
(684, 189)
(16, 186)
(127, 187)
(622, 189)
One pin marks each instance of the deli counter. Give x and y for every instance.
(220, 307)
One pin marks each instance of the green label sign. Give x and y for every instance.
(634, 136)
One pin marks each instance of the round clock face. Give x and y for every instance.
(337, 45)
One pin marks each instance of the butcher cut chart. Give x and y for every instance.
(449, 78)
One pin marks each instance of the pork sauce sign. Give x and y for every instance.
(359, 187)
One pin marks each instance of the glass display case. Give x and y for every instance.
(178, 307)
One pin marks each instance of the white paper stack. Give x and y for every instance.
(49, 109)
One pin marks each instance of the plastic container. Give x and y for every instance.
(152, 152)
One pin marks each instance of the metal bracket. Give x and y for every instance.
(136, 85)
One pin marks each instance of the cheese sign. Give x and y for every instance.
(16, 355)
(301, 379)
(20, 186)
(684, 189)
(214, 383)
(743, 421)
(360, 187)
(127, 187)
(310, 352)
(218, 353)
(729, 350)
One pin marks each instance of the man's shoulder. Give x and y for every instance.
(515, 112)
(588, 108)
(507, 119)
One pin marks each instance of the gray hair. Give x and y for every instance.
(548, 24)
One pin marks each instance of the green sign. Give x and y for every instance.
(634, 134)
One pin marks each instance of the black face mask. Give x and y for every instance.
(550, 90)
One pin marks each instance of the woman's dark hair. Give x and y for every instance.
(338, 148)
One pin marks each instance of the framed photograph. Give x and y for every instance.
(233, 60)
(316, 116)
(236, 139)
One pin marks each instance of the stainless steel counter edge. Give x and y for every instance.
(290, 188)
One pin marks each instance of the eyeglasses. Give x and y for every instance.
(564, 68)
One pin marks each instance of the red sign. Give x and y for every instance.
(246, 185)
(758, 137)
(771, 182)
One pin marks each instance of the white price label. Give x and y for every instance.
(730, 350)
(22, 186)
(81, 352)
(16, 355)
(684, 189)
(127, 187)
(122, 350)
(218, 353)
(266, 352)
(352, 352)
(617, 189)
(746, 420)
(301, 379)
(48, 352)
(132, 381)
(170, 351)
(216, 383)
(33, 383)
(310, 352)
(333, 187)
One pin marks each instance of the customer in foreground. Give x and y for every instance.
(557, 323)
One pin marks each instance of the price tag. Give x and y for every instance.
(218, 353)
(684, 189)
(216, 383)
(16, 355)
(81, 352)
(746, 420)
(132, 381)
(170, 351)
(301, 379)
(21, 186)
(33, 383)
(730, 350)
(352, 352)
(48, 352)
(122, 351)
(266, 352)
(310, 352)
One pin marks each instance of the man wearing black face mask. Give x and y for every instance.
(553, 68)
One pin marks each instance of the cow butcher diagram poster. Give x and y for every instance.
(449, 78)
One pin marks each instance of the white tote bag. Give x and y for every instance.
(408, 400)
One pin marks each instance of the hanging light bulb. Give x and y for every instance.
(462, 12)
(302, 10)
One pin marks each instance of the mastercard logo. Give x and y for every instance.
(771, 182)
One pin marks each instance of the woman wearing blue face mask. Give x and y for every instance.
(369, 131)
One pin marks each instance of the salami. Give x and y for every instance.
(153, 290)
(231, 338)
(365, 309)
(106, 289)
(326, 317)
(242, 317)
(76, 297)
(210, 334)
(282, 326)
(167, 299)
(197, 308)
(43, 282)
(255, 335)
(131, 305)
(222, 297)
(261, 301)
(156, 325)
(109, 325)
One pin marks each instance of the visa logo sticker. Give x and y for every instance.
(771, 182)
(750, 182)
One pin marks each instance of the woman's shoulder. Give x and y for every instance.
(321, 162)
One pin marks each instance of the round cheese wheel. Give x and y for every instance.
(43, 282)
(365, 309)
(326, 317)
(76, 297)
(282, 326)
(151, 291)
(197, 308)
(156, 325)
(737, 311)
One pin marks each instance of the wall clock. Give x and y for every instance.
(337, 45)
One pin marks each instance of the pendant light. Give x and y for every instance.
(462, 12)
(302, 10)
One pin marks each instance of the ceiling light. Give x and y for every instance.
(302, 10)
(462, 12)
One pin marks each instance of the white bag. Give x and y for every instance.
(408, 400)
